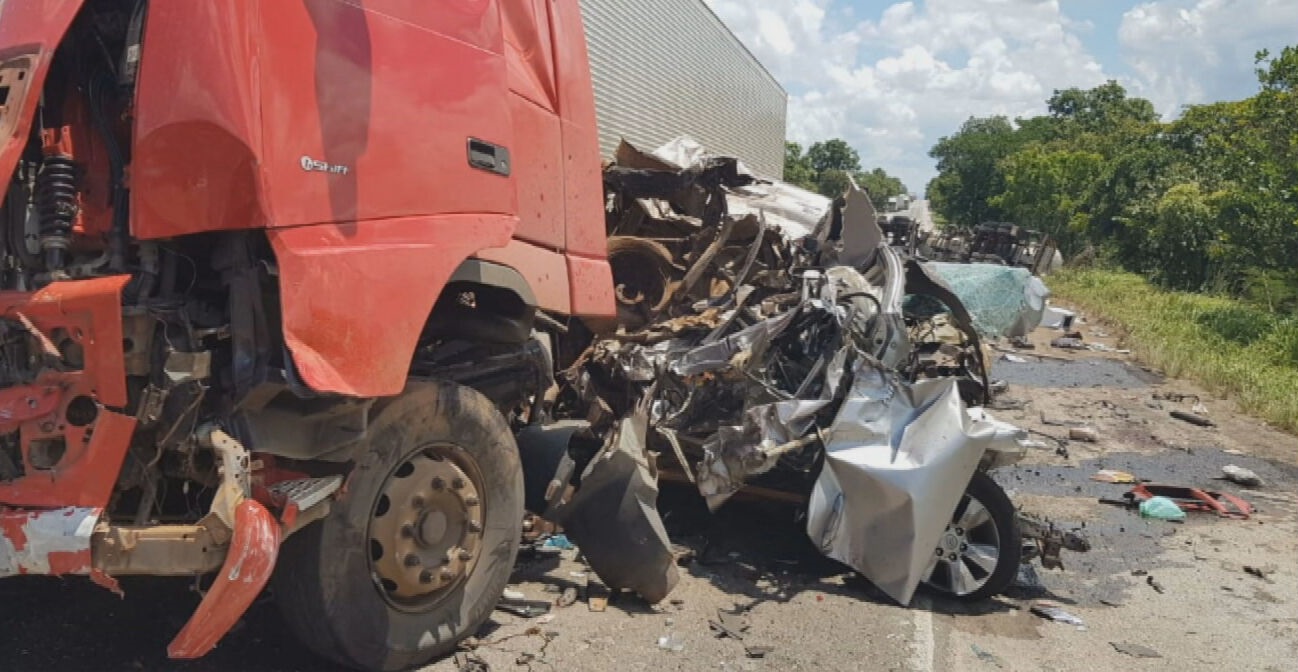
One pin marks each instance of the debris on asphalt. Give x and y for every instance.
(729, 624)
(1014, 358)
(1044, 540)
(1113, 476)
(1066, 343)
(1241, 476)
(1189, 499)
(597, 596)
(1259, 572)
(471, 663)
(559, 541)
(1153, 583)
(1054, 611)
(987, 656)
(1193, 419)
(1135, 650)
(1083, 434)
(671, 642)
(759, 651)
(1175, 397)
(567, 598)
(523, 608)
(1161, 508)
(511, 594)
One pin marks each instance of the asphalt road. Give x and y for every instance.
(1207, 613)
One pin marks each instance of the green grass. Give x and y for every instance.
(1233, 349)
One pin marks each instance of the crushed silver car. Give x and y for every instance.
(769, 336)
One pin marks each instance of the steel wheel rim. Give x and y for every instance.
(969, 550)
(426, 526)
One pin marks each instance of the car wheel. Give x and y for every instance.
(978, 555)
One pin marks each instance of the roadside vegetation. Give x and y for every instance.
(1197, 217)
(1205, 203)
(1232, 348)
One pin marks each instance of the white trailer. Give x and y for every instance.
(666, 68)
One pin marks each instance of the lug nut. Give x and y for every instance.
(959, 531)
(447, 575)
(470, 501)
(417, 502)
(408, 531)
(425, 576)
(964, 547)
(458, 483)
(939, 552)
(412, 560)
(465, 556)
(439, 483)
(951, 557)
(475, 526)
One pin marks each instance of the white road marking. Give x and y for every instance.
(922, 653)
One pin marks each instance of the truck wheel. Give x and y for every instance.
(417, 550)
(979, 554)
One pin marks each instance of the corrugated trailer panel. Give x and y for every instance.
(664, 68)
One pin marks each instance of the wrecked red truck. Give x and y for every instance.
(228, 229)
(286, 287)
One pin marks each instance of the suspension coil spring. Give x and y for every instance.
(56, 203)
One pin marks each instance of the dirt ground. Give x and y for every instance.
(1178, 591)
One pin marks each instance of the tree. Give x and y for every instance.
(833, 182)
(1206, 202)
(833, 154)
(1100, 109)
(829, 165)
(797, 169)
(968, 172)
(1045, 190)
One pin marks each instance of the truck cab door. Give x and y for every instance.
(381, 109)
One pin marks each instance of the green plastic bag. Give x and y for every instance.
(1161, 508)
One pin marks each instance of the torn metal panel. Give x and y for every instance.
(614, 518)
(896, 465)
(51, 541)
(719, 354)
(735, 454)
(861, 234)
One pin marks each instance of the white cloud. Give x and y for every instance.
(891, 86)
(1193, 51)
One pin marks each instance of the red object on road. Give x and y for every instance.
(1196, 500)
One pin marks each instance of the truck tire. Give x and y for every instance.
(417, 549)
(979, 553)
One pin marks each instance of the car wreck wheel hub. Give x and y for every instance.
(425, 534)
(968, 551)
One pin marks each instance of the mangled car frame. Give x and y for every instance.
(763, 336)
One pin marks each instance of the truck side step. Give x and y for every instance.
(306, 492)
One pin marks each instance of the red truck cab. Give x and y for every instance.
(291, 252)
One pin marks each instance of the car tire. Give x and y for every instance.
(984, 558)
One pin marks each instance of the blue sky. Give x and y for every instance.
(893, 77)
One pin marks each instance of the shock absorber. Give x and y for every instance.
(56, 201)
